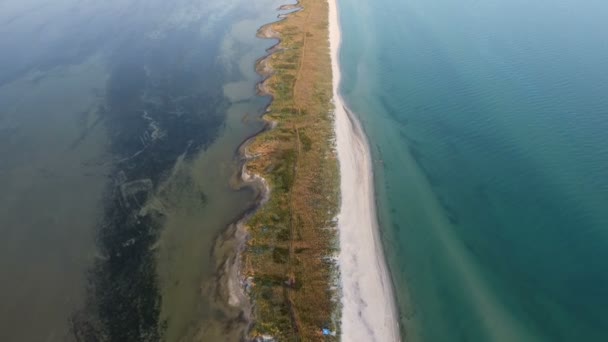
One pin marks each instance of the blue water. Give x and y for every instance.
(488, 122)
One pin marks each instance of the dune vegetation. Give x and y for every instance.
(290, 254)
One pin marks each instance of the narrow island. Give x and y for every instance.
(315, 232)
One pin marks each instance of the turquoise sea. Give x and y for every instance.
(487, 122)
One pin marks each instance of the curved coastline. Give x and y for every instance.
(232, 285)
(369, 310)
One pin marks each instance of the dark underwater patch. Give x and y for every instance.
(164, 101)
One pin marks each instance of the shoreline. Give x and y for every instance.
(369, 310)
(233, 286)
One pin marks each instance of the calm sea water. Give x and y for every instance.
(119, 123)
(488, 122)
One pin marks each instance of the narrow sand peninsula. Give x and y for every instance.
(369, 310)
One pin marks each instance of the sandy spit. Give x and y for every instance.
(369, 310)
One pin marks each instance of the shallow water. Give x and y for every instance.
(119, 124)
(487, 122)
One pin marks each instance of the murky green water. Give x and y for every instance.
(119, 124)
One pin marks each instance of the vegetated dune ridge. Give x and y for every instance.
(291, 262)
(289, 265)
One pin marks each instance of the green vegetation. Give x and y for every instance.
(293, 236)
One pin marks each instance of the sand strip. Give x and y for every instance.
(369, 310)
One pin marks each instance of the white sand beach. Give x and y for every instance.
(369, 308)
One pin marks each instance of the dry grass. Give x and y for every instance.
(293, 235)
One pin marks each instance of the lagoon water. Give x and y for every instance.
(488, 122)
(119, 125)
